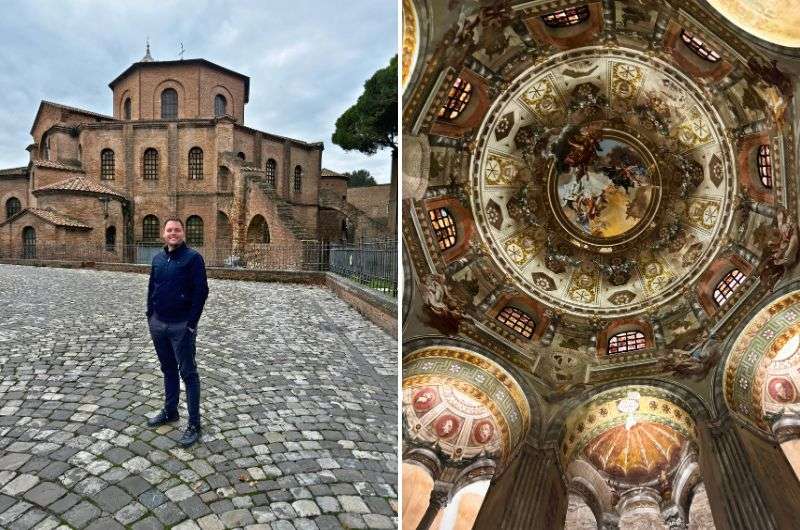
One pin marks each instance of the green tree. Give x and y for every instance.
(371, 124)
(360, 178)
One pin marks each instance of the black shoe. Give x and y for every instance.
(190, 435)
(162, 418)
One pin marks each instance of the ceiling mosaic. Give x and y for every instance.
(603, 185)
(775, 21)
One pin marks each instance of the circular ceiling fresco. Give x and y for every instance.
(602, 182)
(774, 21)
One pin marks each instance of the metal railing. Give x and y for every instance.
(369, 263)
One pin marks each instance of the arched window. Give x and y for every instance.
(106, 164)
(626, 341)
(444, 227)
(150, 164)
(195, 163)
(224, 179)
(517, 320)
(699, 47)
(220, 105)
(457, 99)
(728, 285)
(566, 17)
(28, 243)
(111, 239)
(194, 231)
(13, 206)
(271, 168)
(126, 109)
(298, 179)
(150, 228)
(764, 163)
(169, 104)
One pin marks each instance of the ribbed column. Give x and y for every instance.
(749, 482)
(530, 494)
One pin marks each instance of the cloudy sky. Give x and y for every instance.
(307, 60)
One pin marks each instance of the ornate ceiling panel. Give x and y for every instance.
(774, 21)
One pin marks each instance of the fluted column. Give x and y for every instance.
(529, 494)
(749, 481)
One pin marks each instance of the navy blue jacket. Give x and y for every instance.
(178, 286)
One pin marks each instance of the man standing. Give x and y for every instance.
(175, 297)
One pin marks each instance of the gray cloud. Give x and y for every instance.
(307, 60)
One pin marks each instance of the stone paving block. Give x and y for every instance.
(13, 461)
(20, 485)
(45, 493)
(130, 513)
(106, 523)
(14, 512)
(210, 522)
(111, 499)
(352, 503)
(234, 518)
(148, 523)
(28, 520)
(80, 514)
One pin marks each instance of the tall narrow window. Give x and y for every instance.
(699, 47)
(13, 205)
(111, 239)
(566, 17)
(457, 99)
(126, 108)
(150, 228)
(194, 231)
(150, 164)
(764, 162)
(169, 104)
(517, 320)
(29, 243)
(626, 341)
(444, 227)
(298, 179)
(272, 166)
(195, 163)
(220, 105)
(106, 164)
(728, 285)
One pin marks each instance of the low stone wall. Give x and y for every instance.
(379, 309)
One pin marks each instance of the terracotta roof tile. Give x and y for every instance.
(57, 165)
(328, 173)
(51, 216)
(79, 184)
(14, 170)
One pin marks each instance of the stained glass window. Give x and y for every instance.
(517, 320)
(764, 162)
(699, 47)
(626, 341)
(728, 285)
(457, 99)
(444, 227)
(566, 17)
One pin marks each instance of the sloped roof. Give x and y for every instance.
(14, 171)
(52, 164)
(327, 173)
(44, 103)
(202, 62)
(51, 216)
(79, 184)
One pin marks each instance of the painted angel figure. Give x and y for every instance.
(785, 249)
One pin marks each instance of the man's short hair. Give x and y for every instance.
(175, 219)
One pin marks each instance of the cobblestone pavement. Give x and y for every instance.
(299, 406)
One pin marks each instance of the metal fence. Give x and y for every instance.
(370, 263)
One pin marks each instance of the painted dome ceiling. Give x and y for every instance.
(774, 21)
(603, 183)
(592, 192)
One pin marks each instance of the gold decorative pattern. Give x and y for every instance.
(523, 246)
(409, 38)
(626, 81)
(502, 170)
(655, 272)
(584, 285)
(702, 213)
(542, 98)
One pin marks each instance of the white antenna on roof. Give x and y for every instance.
(182, 51)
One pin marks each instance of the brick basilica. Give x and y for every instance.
(177, 144)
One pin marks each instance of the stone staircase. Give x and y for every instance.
(285, 212)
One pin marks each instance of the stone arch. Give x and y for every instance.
(258, 230)
(125, 96)
(163, 85)
(749, 350)
(230, 101)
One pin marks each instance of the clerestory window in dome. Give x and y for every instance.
(727, 286)
(626, 341)
(564, 18)
(699, 47)
(517, 320)
(444, 227)
(457, 99)
(169, 104)
(764, 163)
